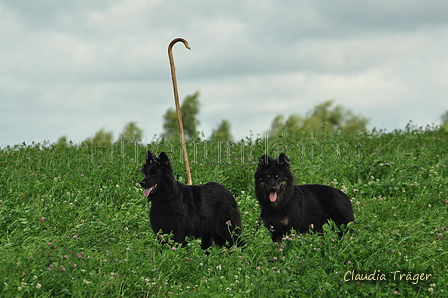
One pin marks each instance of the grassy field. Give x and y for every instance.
(74, 222)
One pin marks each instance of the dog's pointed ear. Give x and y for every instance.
(264, 161)
(149, 157)
(163, 158)
(283, 160)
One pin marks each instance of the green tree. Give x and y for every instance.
(291, 126)
(335, 118)
(323, 115)
(222, 132)
(131, 132)
(101, 138)
(189, 109)
(444, 119)
(62, 140)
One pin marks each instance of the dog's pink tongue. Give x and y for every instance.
(273, 196)
(147, 192)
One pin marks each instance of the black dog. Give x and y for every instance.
(285, 206)
(207, 211)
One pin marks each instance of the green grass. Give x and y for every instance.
(74, 222)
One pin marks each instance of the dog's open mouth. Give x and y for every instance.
(148, 191)
(273, 196)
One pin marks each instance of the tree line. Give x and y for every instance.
(323, 117)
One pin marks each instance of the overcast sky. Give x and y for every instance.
(74, 67)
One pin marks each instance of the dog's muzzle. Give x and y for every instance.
(148, 190)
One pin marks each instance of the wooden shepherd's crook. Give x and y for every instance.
(176, 101)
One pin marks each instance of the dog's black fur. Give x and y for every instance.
(207, 211)
(285, 206)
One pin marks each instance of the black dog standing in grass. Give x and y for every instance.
(285, 206)
(208, 211)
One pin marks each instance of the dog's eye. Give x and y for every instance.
(269, 176)
(153, 174)
(276, 176)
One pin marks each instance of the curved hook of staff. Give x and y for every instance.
(176, 101)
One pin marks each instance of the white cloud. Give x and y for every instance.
(75, 67)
